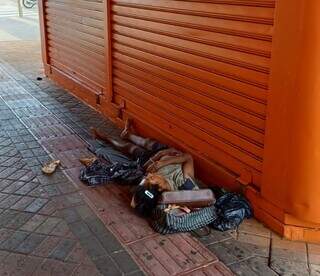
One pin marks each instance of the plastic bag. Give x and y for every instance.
(231, 210)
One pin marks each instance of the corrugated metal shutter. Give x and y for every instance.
(199, 71)
(76, 44)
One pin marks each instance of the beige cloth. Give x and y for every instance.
(174, 175)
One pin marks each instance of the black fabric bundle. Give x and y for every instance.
(112, 165)
(231, 210)
(99, 173)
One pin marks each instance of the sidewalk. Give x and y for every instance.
(57, 226)
(52, 218)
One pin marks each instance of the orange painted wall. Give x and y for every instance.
(234, 82)
(292, 160)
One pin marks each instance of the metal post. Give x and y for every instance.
(20, 10)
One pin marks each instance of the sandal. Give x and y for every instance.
(51, 167)
(87, 161)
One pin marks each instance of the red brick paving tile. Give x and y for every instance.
(28, 177)
(7, 216)
(49, 208)
(16, 163)
(70, 158)
(22, 203)
(289, 250)
(16, 185)
(148, 261)
(7, 172)
(5, 234)
(47, 226)
(57, 177)
(63, 249)
(28, 187)
(85, 270)
(54, 267)
(61, 230)
(62, 144)
(40, 121)
(87, 261)
(19, 175)
(39, 191)
(251, 226)
(196, 251)
(65, 201)
(17, 264)
(77, 255)
(257, 244)
(85, 212)
(118, 216)
(3, 196)
(70, 235)
(216, 269)
(14, 240)
(74, 176)
(9, 201)
(120, 192)
(3, 255)
(2, 168)
(19, 220)
(46, 247)
(67, 188)
(10, 152)
(36, 205)
(30, 243)
(184, 262)
(70, 200)
(170, 255)
(163, 256)
(5, 142)
(13, 162)
(257, 265)
(33, 223)
(4, 183)
(222, 269)
(289, 267)
(51, 131)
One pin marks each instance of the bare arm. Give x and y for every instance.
(184, 159)
(160, 154)
(172, 160)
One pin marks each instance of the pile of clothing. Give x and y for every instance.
(171, 211)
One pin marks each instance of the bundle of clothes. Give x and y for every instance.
(165, 189)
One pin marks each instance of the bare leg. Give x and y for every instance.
(146, 143)
(126, 130)
(123, 146)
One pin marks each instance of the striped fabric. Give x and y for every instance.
(168, 223)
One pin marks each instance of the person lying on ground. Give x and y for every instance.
(168, 169)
